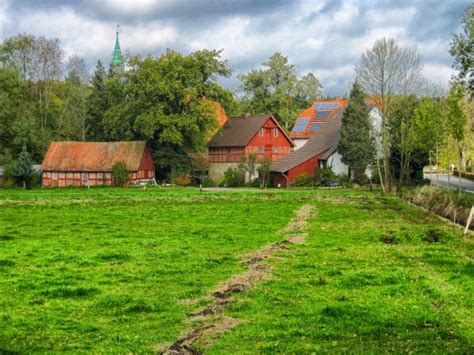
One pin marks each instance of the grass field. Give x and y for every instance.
(116, 270)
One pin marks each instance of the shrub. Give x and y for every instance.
(234, 177)
(324, 176)
(208, 182)
(303, 179)
(120, 173)
(182, 179)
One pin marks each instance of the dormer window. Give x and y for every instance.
(260, 132)
(275, 132)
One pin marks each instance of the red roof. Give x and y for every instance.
(308, 123)
(93, 156)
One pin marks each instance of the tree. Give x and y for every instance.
(120, 173)
(462, 50)
(357, 143)
(166, 100)
(384, 71)
(24, 171)
(264, 171)
(403, 135)
(97, 104)
(277, 89)
(77, 68)
(457, 123)
(429, 126)
(248, 165)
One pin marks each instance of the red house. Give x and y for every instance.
(320, 149)
(90, 163)
(240, 136)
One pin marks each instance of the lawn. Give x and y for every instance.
(116, 270)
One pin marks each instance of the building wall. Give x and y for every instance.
(305, 167)
(92, 178)
(299, 142)
(266, 146)
(335, 162)
(217, 170)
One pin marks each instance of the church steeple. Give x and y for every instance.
(117, 58)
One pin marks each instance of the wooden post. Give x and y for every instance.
(469, 219)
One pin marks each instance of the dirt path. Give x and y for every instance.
(213, 323)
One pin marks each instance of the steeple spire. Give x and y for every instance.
(117, 58)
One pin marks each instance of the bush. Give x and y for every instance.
(120, 173)
(303, 179)
(324, 176)
(208, 182)
(234, 177)
(182, 179)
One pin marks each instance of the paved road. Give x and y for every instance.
(442, 180)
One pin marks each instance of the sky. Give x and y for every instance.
(325, 37)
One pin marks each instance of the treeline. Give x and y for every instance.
(416, 125)
(169, 100)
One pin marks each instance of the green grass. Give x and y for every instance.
(110, 270)
(348, 291)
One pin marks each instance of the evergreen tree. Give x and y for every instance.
(357, 143)
(97, 104)
(24, 171)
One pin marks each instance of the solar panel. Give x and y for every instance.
(326, 106)
(322, 114)
(315, 126)
(300, 125)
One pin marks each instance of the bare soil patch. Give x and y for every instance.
(210, 316)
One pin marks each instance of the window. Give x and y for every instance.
(275, 132)
(260, 149)
(55, 175)
(85, 178)
(274, 150)
(100, 175)
(260, 132)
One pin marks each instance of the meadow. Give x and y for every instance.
(120, 270)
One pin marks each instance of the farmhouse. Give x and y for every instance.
(261, 135)
(319, 150)
(90, 163)
(313, 118)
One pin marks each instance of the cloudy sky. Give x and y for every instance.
(326, 37)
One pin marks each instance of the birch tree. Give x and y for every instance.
(384, 71)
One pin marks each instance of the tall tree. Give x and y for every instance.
(97, 104)
(403, 135)
(384, 71)
(277, 89)
(458, 123)
(24, 169)
(165, 100)
(429, 126)
(462, 50)
(357, 143)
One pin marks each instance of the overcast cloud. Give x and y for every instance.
(326, 37)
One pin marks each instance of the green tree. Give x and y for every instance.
(457, 123)
(24, 171)
(276, 89)
(403, 135)
(264, 171)
(462, 50)
(97, 104)
(429, 125)
(120, 173)
(164, 100)
(357, 143)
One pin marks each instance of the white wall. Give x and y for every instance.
(337, 165)
(299, 143)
